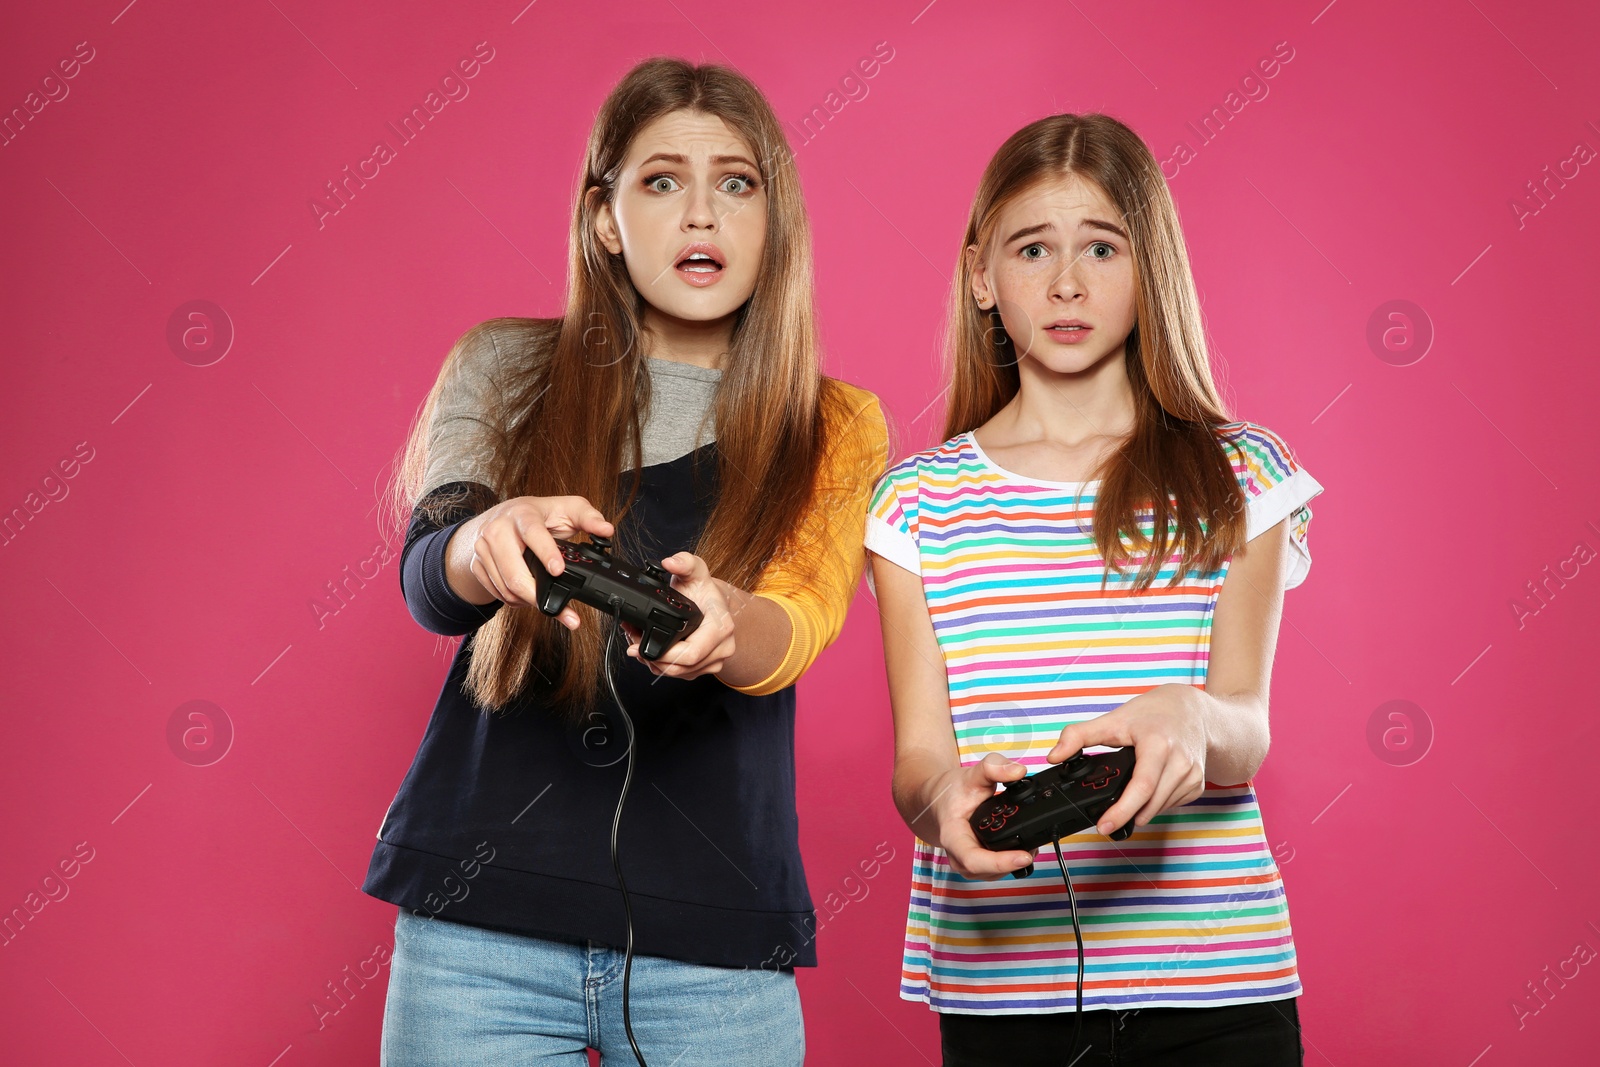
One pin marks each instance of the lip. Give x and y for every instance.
(705, 247)
(1068, 337)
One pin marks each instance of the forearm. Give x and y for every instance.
(762, 632)
(915, 786)
(458, 564)
(1236, 735)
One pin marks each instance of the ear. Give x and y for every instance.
(605, 224)
(979, 272)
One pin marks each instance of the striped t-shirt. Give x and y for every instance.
(1190, 910)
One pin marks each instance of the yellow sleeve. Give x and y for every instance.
(829, 540)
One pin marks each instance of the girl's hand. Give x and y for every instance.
(957, 794)
(496, 539)
(1167, 727)
(711, 645)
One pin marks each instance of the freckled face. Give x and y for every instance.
(1060, 269)
(689, 217)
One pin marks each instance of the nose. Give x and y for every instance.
(1064, 286)
(700, 210)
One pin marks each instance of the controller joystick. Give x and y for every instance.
(642, 597)
(1055, 802)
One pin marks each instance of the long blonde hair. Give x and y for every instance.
(582, 384)
(1174, 468)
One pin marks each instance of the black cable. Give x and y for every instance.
(1072, 898)
(616, 821)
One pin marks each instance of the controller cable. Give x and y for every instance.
(1077, 933)
(615, 607)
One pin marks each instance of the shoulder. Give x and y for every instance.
(855, 432)
(1275, 486)
(1261, 458)
(943, 461)
(504, 342)
(844, 404)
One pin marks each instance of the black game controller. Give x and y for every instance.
(1053, 803)
(593, 576)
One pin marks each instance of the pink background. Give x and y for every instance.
(184, 558)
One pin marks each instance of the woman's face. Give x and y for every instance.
(1060, 255)
(689, 185)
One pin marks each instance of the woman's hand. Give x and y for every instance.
(956, 795)
(1167, 728)
(491, 544)
(712, 644)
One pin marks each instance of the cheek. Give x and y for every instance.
(746, 233)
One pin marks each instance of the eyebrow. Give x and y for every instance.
(716, 161)
(1097, 224)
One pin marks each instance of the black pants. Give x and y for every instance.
(1263, 1034)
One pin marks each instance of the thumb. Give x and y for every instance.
(998, 768)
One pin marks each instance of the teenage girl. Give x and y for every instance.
(676, 408)
(1095, 557)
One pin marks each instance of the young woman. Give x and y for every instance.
(676, 408)
(1095, 557)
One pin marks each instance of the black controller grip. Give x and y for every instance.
(642, 597)
(1054, 803)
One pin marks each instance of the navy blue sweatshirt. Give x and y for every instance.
(504, 819)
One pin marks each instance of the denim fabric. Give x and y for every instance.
(462, 994)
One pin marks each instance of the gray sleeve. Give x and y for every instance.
(462, 439)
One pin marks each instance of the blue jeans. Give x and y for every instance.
(461, 994)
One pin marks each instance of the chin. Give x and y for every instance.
(705, 306)
(1066, 362)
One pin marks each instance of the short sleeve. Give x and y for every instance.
(1276, 487)
(892, 521)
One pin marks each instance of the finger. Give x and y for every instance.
(975, 861)
(533, 535)
(483, 569)
(1172, 776)
(1174, 793)
(1101, 730)
(685, 655)
(711, 664)
(507, 550)
(588, 517)
(1148, 766)
(996, 768)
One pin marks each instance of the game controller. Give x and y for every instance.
(591, 575)
(1053, 803)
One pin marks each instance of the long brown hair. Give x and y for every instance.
(1173, 468)
(580, 383)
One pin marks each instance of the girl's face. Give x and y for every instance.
(1060, 258)
(689, 185)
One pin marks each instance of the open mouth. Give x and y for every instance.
(700, 263)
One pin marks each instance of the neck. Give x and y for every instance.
(702, 344)
(1070, 408)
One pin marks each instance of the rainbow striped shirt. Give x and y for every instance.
(1188, 911)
